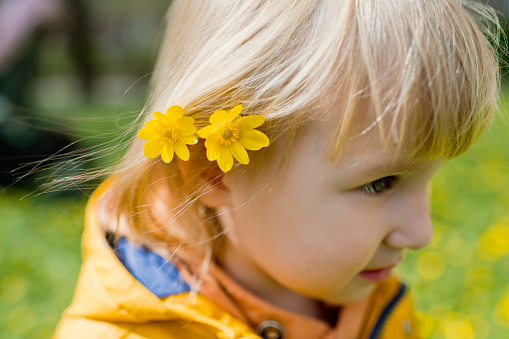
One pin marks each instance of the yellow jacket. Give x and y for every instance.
(110, 303)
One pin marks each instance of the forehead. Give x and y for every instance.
(411, 129)
(366, 153)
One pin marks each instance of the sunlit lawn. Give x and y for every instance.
(461, 282)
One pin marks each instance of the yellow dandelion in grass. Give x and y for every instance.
(502, 310)
(168, 134)
(494, 242)
(229, 135)
(427, 325)
(431, 265)
(459, 329)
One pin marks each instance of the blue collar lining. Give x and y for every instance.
(157, 274)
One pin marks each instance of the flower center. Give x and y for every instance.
(230, 133)
(172, 134)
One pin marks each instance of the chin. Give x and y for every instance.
(351, 294)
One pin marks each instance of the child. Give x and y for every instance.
(347, 109)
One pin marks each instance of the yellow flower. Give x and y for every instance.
(169, 133)
(229, 135)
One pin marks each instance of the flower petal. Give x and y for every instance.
(210, 156)
(182, 151)
(233, 113)
(213, 150)
(152, 149)
(147, 134)
(185, 126)
(174, 112)
(225, 160)
(160, 117)
(190, 140)
(217, 117)
(205, 131)
(167, 152)
(254, 140)
(249, 122)
(155, 125)
(239, 152)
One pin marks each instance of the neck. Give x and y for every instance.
(247, 274)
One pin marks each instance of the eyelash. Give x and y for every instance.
(378, 186)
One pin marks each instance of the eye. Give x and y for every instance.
(378, 186)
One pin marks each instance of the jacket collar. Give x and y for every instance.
(107, 291)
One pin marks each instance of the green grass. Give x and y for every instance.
(460, 281)
(40, 260)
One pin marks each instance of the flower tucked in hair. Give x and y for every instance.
(230, 135)
(168, 133)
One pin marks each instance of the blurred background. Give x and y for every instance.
(74, 74)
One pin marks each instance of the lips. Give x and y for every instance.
(376, 275)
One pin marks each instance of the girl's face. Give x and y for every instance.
(327, 231)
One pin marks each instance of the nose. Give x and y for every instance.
(411, 220)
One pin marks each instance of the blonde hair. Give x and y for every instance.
(424, 68)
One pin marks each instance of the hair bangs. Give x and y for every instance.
(432, 93)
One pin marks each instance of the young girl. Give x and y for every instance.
(346, 110)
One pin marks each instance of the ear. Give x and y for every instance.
(214, 191)
(205, 177)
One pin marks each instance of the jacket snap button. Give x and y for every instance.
(270, 329)
(407, 328)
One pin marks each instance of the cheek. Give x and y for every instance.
(304, 246)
